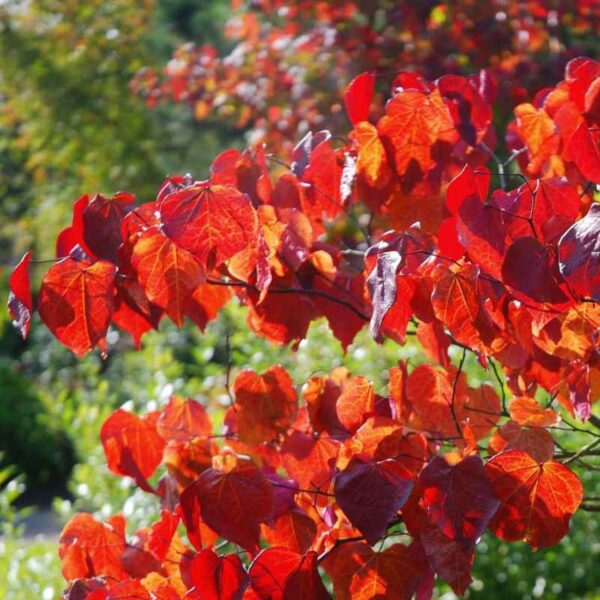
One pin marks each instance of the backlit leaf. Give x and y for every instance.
(77, 301)
(132, 445)
(537, 499)
(371, 493)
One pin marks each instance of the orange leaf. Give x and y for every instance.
(456, 302)
(537, 130)
(535, 441)
(88, 548)
(527, 411)
(77, 301)
(132, 445)
(372, 161)
(294, 530)
(266, 404)
(537, 500)
(356, 403)
(212, 222)
(184, 420)
(168, 273)
(412, 124)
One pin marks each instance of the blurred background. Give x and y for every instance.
(108, 95)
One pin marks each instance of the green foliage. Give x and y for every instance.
(30, 438)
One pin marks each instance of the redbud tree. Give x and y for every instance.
(414, 221)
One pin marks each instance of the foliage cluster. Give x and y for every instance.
(411, 223)
(510, 277)
(291, 61)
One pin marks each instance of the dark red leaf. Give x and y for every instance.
(579, 255)
(458, 499)
(20, 300)
(371, 493)
(235, 503)
(101, 220)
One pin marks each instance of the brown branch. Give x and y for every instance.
(308, 292)
(337, 543)
(454, 384)
(501, 385)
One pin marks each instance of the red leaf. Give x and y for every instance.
(132, 445)
(206, 302)
(212, 222)
(356, 403)
(537, 500)
(359, 573)
(447, 558)
(309, 460)
(217, 577)
(458, 499)
(545, 210)
(413, 123)
(235, 503)
(321, 180)
(280, 573)
(294, 530)
(535, 441)
(434, 342)
(456, 302)
(168, 273)
(266, 404)
(469, 182)
(88, 548)
(371, 493)
(528, 269)
(281, 317)
(471, 114)
(76, 302)
(448, 243)
(20, 301)
(344, 322)
(482, 234)
(72, 235)
(358, 97)
(584, 151)
(161, 534)
(184, 420)
(101, 221)
(579, 255)
(430, 393)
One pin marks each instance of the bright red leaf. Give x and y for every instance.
(76, 302)
(537, 500)
(20, 300)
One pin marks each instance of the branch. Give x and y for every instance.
(308, 292)
(452, 410)
(500, 384)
